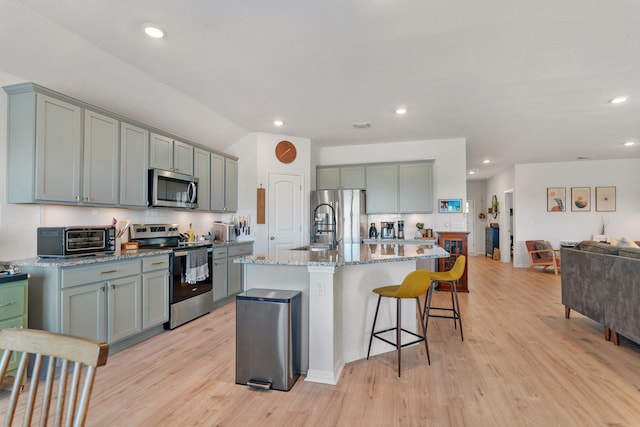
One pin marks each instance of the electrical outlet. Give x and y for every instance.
(320, 289)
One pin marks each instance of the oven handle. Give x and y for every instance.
(180, 253)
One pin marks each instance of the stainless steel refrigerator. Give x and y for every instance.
(338, 217)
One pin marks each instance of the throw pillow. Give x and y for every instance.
(626, 242)
(543, 245)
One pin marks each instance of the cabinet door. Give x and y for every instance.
(155, 298)
(382, 185)
(134, 165)
(101, 159)
(230, 185)
(58, 150)
(217, 182)
(220, 279)
(352, 177)
(83, 311)
(415, 189)
(183, 158)
(202, 171)
(124, 308)
(327, 178)
(160, 152)
(234, 276)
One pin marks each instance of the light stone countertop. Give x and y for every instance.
(349, 255)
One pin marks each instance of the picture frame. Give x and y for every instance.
(556, 199)
(605, 199)
(450, 205)
(580, 199)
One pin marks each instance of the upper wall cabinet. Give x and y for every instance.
(224, 183)
(172, 155)
(391, 187)
(134, 163)
(202, 171)
(332, 177)
(101, 159)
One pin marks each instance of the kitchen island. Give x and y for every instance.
(338, 304)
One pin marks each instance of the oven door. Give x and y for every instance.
(180, 289)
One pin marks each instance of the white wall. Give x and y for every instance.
(497, 185)
(532, 221)
(449, 174)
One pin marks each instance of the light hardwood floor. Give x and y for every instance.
(521, 364)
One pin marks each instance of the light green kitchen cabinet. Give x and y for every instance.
(13, 313)
(353, 177)
(202, 171)
(83, 310)
(134, 165)
(327, 178)
(160, 152)
(219, 262)
(234, 270)
(382, 188)
(182, 158)
(155, 290)
(44, 147)
(101, 150)
(415, 191)
(171, 155)
(224, 183)
(123, 308)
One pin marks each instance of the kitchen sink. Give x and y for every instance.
(313, 248)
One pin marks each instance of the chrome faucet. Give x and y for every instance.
(334, 244)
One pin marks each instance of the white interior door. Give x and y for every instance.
(470, 213)
(285, 211)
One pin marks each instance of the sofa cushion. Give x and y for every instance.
(541, 246)
(597, 247)
(626, 242)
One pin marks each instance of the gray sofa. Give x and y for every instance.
(602, 282)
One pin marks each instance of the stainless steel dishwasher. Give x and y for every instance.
(268, 338)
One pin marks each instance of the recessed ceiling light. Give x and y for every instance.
(628, 143)
(486, 161)
(278, 123)
(618, 100)
(401, 110)
(153, 30)
(472, 172)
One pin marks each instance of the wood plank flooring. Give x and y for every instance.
(521, 364)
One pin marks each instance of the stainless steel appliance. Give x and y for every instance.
(188, 299)
(225, 232)
(388, 230)
(65, 242)
(268, 333)
(338, 216)
(400, 229)
(172, 190)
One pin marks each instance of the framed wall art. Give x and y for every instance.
(556, 199)
(580, 199)
(605, 199)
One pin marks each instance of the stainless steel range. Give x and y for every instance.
(191, 284)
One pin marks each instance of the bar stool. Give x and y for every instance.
(452, 276)
(414, 284)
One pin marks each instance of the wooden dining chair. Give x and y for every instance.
(77, 358)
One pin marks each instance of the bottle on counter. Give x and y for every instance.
(373, 232)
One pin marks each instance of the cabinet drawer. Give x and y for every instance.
(12, 301)
(103, 271)
(158, 262)
(219, 253)
(240, 250)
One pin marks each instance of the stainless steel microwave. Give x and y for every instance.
(172, 190)
(62, 242)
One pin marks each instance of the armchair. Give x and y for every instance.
(543, 255)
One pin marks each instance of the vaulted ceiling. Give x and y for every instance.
(522, 81)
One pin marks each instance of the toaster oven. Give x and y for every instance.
(63, 242)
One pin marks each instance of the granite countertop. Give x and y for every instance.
(70, 262)
(407, 241)
(349, 255)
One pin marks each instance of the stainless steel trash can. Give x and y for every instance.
(268, 338)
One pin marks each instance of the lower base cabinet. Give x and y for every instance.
(13, 313)
(227, 275)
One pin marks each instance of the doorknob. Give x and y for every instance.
(273, 238)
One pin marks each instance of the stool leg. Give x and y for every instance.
(457, 308)
(398, 334)
(373, 328)
(424, 331)
(453, 305)
(427, 308)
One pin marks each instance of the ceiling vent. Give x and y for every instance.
(584, 157)
(361, 125)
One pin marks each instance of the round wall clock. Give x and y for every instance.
(286, 151)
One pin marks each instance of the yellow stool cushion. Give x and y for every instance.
(414, 284)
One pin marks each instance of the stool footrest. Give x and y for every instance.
(420, 337)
